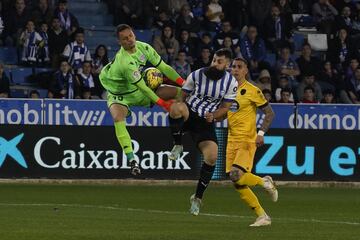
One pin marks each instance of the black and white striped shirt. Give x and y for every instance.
(205, 94)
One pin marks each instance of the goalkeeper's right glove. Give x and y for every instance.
(165, 104)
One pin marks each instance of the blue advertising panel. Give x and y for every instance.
(284, 116)
(329, 116)
(21, 111)
(76, 112)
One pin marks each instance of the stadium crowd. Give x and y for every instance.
(186, 34)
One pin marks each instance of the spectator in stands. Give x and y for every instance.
(285, 96)
(188, 44)
(58, 39)
(268, 95)
(181, 66)
(236, 11)
(328, 78)
(228, 43)
(306, 62)
(204, 60)
(174, 7)
(30, 40)
(166, 45)
(213, 15)
(1, 24)
(99, 60)
(284, 7)
(4, 83)
(277, 30)
(308, 80)
(259, 10)
(88, 85)
(308, 95)
(301, 6)
(186, 21)
(253, 50)
(34, 94)
(350, 71)
(42, 13)
(67, 20)
(264, 80)
(286, 66)
(15, 21)
(324, 14)
(163, 19)
(352, 87)
(226, 31)
(283, 83)
(64, 84)
(77, 52)
(205, 42)
(344, 21)
(340, 50)
(197, 9)
(328, 97)
(43, 54)
(129, 12)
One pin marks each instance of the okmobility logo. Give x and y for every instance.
(10, 149)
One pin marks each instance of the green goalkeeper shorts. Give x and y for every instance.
(136, 98)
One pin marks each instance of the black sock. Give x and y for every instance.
(206, 174)
(176, 125)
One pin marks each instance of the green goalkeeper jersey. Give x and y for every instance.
(120, 75)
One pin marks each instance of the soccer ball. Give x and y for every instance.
(153, 78)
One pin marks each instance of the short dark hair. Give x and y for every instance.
(241, 60)
(285, 90)
(34, 92)
(224, 52)
(309, 88)
(122, 27)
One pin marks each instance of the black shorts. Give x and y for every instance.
(199, 129)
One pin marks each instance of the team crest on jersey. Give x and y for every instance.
(136, 74)
(243, 91)
(142, 58)
(234, 106)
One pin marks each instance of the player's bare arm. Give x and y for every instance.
(220, 114)
(269, 116)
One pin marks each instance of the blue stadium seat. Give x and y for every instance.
(19, 75)
(41, 70)
(18, 93)
(8, 55)
(43, 92)
(144, 35)
(298, 41)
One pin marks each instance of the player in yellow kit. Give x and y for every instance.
(243, 141)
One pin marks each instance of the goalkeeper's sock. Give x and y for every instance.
(249, 179)
(176, 125)
(206, 174)
(248, 196)
(124, 139)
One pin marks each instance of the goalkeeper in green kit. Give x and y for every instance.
(125, 86)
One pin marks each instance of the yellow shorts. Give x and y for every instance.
(240, 154)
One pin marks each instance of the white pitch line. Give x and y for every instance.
(172, 212)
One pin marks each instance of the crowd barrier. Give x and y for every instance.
(75, 139)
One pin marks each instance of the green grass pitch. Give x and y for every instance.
(73, 212)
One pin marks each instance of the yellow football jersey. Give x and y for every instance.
(242, 114)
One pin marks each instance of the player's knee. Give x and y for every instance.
(235, 174)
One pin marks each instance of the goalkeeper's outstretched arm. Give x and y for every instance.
(170, 73)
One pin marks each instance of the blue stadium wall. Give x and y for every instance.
(75, 139)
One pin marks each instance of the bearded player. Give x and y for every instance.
(126, 87)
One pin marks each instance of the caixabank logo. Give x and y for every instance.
(83, 152)
(9, 150)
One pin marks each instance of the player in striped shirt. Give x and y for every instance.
(208, 94)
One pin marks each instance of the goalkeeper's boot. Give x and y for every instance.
(176, 152)
(263, 220)
(195, 205)
(270, 187)
(134, 167)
